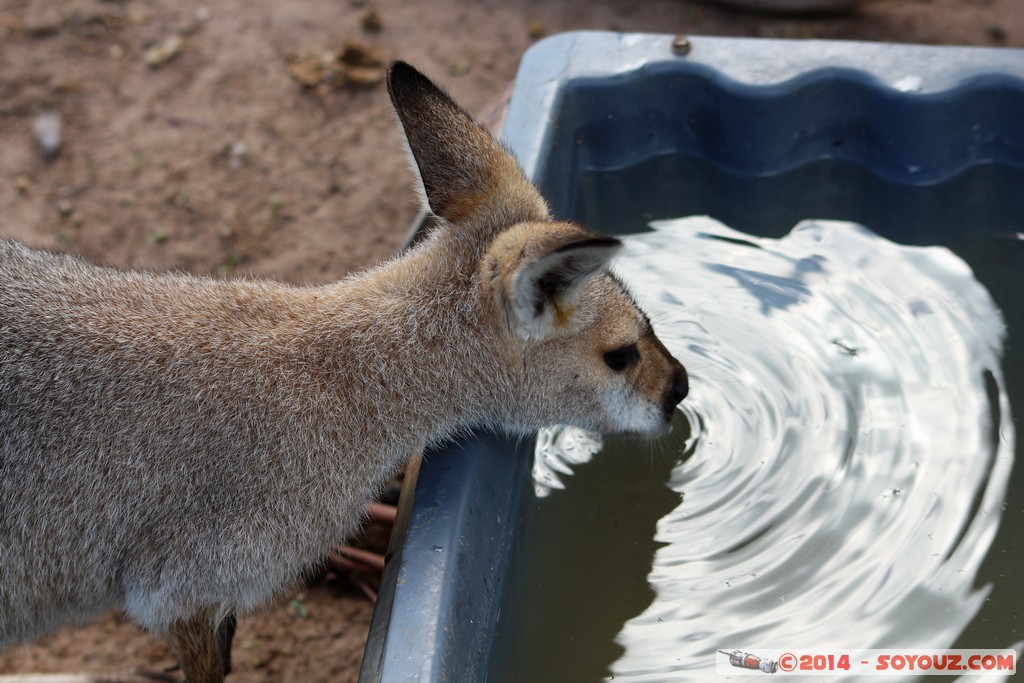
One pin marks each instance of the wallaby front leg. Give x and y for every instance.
(225, 634)
(197, 642)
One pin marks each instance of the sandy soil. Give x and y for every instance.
(189, 142)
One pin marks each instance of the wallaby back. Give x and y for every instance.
(186, 447)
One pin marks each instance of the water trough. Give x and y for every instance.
(924, 145)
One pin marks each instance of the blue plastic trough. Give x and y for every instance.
(912, 141)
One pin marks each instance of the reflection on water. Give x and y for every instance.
(557, 450)
(850, 442)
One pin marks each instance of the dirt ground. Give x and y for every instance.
(253, 137)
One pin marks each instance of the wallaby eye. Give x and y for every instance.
(621, 358)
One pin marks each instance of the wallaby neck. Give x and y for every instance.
(408, 348)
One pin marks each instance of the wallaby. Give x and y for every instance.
(185, 447)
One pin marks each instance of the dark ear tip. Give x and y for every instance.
(397, 72)
(594, 240)
(608, 240)
(400, 69)
(402, 75)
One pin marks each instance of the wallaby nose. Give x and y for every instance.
(680, 385)
(677, 391)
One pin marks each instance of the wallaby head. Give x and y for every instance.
(572, 341)
(183, 447)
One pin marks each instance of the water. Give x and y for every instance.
(837, 476)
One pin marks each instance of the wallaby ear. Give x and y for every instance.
(536, 272)
(462, 169)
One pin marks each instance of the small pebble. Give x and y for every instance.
(237, 154)
(47, 131)
(460, 67)
(160, 54)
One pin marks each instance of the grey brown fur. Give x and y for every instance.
(185, 447)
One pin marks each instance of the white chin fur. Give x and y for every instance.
(627, 414)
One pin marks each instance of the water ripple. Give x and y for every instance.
(848, 462)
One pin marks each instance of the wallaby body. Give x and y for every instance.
(185, 447)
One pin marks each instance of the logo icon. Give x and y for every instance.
(745, 660)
